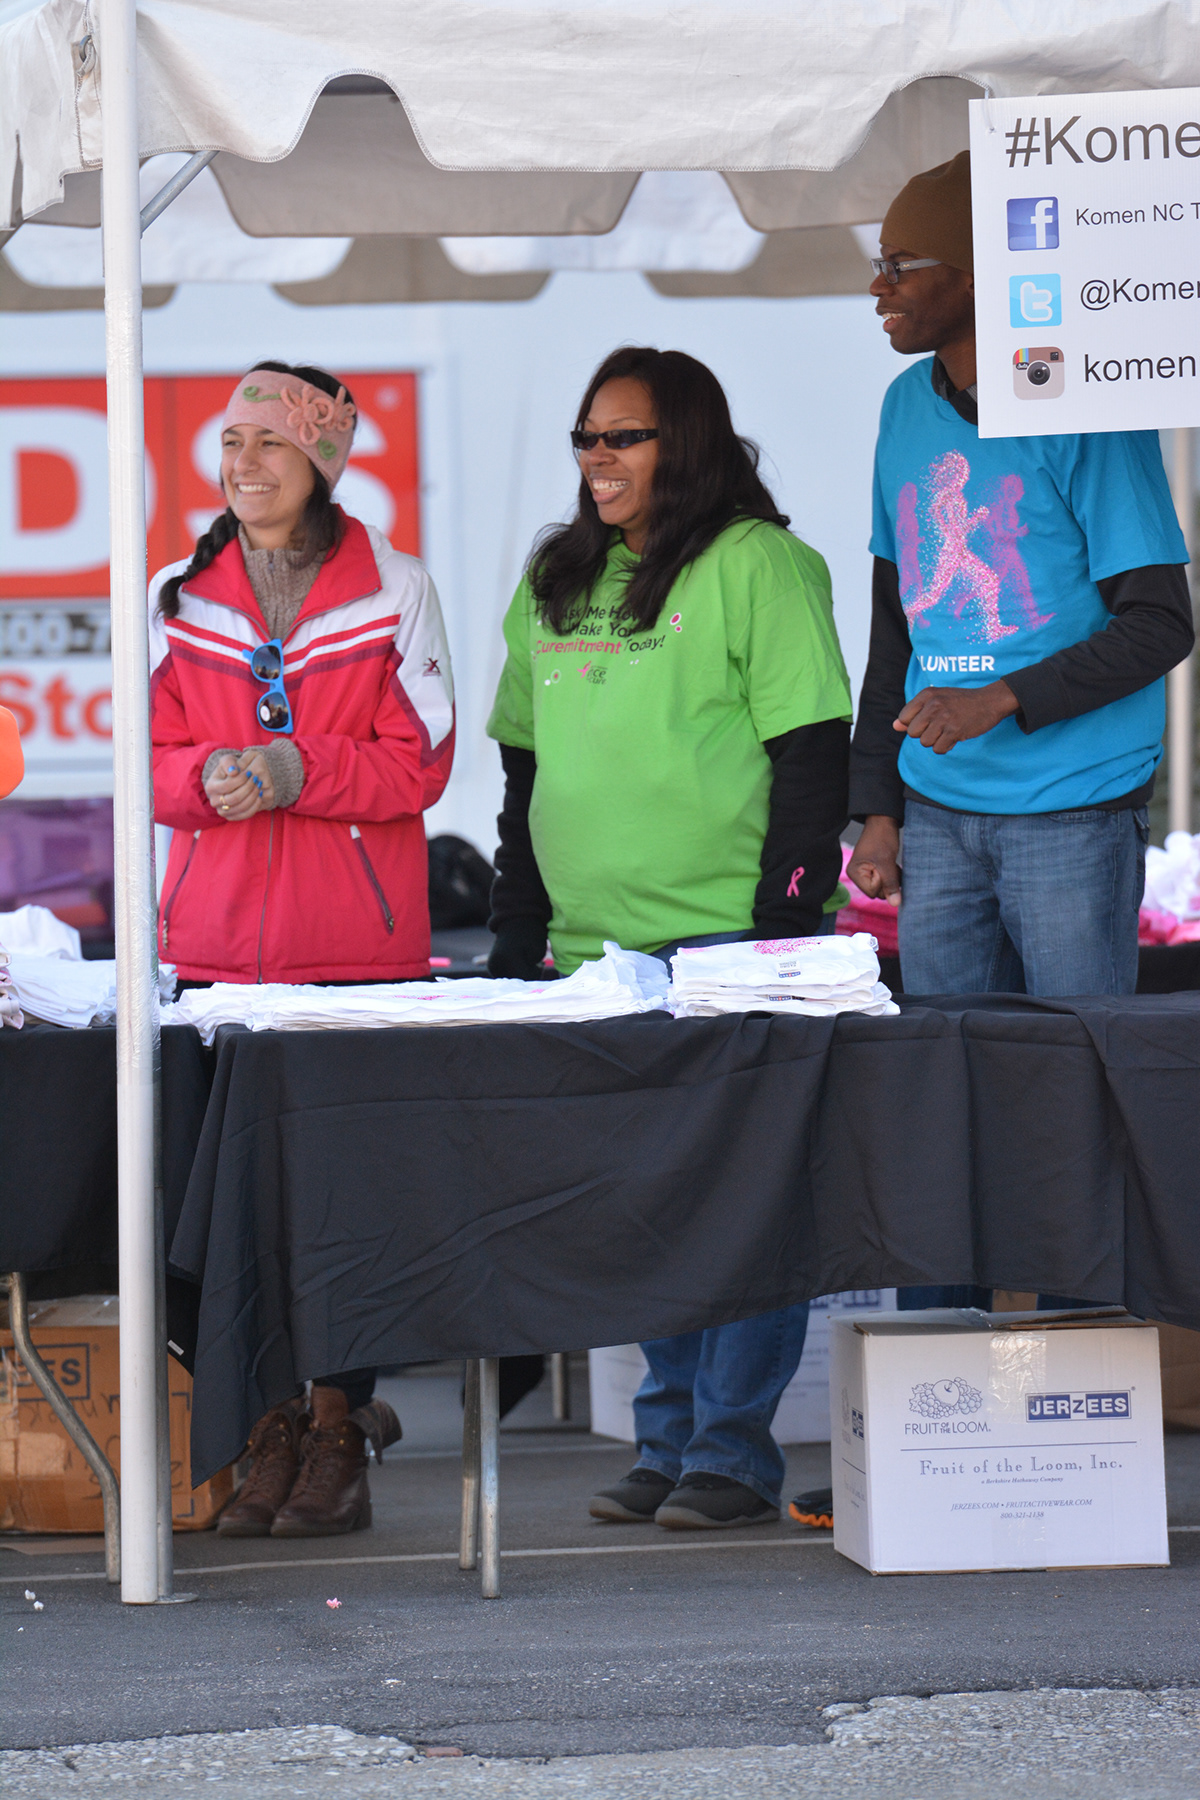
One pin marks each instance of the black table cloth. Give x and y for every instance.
(392, 1196)
(58, 1152)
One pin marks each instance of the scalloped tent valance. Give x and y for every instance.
(454, 117)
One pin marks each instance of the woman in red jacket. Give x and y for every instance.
(302, 720)
(303, 714)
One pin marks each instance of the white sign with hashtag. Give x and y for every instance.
(1087, 261)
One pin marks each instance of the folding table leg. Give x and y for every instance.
(468, 1542)
(489, 1484)
(560, 1384)
(71, 1423)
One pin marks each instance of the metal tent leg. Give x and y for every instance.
(468, 1542)
(146, 1574)
(560, 1384)
(148, 1568)
(72, 1424)
(489, 1483)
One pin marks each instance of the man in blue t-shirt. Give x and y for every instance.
(1029, 598)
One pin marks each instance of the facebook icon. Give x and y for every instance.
(1033, 224)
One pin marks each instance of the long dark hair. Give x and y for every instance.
(705, 478)
(321, 527)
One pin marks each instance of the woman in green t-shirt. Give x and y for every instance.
(673, 720)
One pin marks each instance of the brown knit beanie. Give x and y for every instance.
(932, 215)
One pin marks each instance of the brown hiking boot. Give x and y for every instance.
(331, 1496)
(274, 1451)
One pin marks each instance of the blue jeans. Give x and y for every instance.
(1037, 903)
(707, 1403)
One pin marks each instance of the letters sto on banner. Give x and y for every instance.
(1087, 261)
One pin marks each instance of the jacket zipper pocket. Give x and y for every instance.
(262, 917)
(386, 910)
(166, 925)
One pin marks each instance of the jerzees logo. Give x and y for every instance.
(1033, 224)
(1042, 1409)
(1034, 300)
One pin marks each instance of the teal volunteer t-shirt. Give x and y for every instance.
(650, 804)
(999, 544)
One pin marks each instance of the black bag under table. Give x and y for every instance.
(393, 1196)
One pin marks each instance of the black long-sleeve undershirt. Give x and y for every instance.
(801, 854)
(801, 859)
(520, 904)
(1151, 630)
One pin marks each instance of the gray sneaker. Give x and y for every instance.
(713, 1503)
(633, 1501)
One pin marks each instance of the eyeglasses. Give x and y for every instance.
(266, 664)
(887, 265)
(612, 440)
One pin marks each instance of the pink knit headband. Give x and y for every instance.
(306, 416)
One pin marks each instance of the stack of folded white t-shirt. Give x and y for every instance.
(52, 981)
(66, 993)
(619, 983)
(817, 976)
(10, 1006)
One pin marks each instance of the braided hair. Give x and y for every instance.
(321, 523)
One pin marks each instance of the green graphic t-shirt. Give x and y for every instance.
(650, 804)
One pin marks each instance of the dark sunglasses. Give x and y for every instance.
(266, 664)
(612, 440)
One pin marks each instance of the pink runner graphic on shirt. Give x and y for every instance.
(1004, 527)
(959, 574)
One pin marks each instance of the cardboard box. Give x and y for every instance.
(45, 1484)
(997, 1441)
(1178, 1355)
(615, 1375)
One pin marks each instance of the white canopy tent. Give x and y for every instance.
(459, 119)
(674, 223)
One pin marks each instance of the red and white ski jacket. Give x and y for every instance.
(334, 888)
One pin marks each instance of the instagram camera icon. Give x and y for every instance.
(1039, 373)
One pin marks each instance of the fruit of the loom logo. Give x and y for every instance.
(939, 1399)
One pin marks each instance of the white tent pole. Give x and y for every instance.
(142, 1351)
(1181, 714)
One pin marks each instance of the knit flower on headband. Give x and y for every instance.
(311, 414)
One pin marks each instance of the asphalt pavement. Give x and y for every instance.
(1048, 1744)
(608, 1640)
